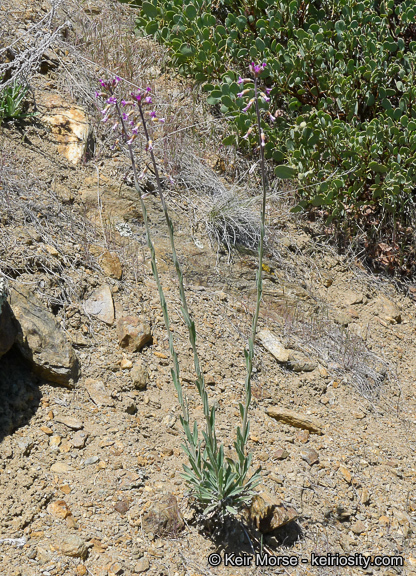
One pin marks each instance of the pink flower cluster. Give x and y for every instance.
(128, 120)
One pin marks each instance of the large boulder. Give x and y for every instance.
(41, 340)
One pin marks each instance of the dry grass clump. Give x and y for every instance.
(39, 235)
(226, 213)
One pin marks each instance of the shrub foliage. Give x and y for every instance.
(341, 74)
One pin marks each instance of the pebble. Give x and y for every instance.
(345, 473)
(79, 439)
(72, 545)
(295, 419)
(281, 454)
(91, 460)
(310, 455)
(142, 565)
(98, 392)
(69, 421)
(358, 527)
(61, 467)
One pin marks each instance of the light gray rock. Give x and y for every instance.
(100, 304)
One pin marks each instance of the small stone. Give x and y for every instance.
(273, 345)
(59, 509)
(47, 430)
(122, 507)
(79, 439)
(65, 447)
(61, 468)
(298, 362)
(358, 527)
(364, 496)
(346, 474)
(280, 454)
(100, 304)
(164, 517)
(310, 455)
(125, 364)
(98, 393)
(72, 545)
(54, 442)
(80, 570)
(70, 422)
(91, 460)
(323, 372)
(142, 565)
(169, 420)
(111, 265)
(302, 436)
(133, 333)
(388, 309)
(139, 375)
(25, 445)
(384, 521)
(65, 488)
(267, 513)
(295, 419)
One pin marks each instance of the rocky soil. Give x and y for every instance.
(90, 438)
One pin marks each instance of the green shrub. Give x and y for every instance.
(341, 75)
(12, 102)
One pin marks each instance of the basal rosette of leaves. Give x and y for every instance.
(343, 93)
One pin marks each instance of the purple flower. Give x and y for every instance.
(257, 68)
(115, 126)
(268, 90)
(103, 83)
(249, 105)
(240, 80)
(125, 116)
(148, 89)
(148, 99)
(162, 120)
(97, 94)
(112, 100)
(152, 114)
(123, 102)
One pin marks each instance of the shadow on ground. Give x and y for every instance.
(19, 393)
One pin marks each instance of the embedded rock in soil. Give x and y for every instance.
(41, 340)
(98, 392)
(111, 265)
(164, 517)
(139, 375)
(267, 513)
(72, 545)
(298, 362)
(274, 346)
(295, 419)
(133, 333)
(69, 126)
(100, 304)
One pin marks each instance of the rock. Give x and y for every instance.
(164, 518)
(81, 570)
(25, 445)
(364, 496)
(122, 507)
(126, 364)
(100, 304)
(349, 297)
(72, 545)
(298, 362)
(345, 473)
(133, 333)
(91, 460)
(54, 442)
(139, 375)
(79, 439)
(388, 310)
(98, 393)
(69, 421)
(266, 513)
(41, 340)
(295, 419)
(59, 509)
(111, 265)
(273, 345)
(280, 454)
(8, 328)
(61, 468)
(358, 527)
(69, 125)
(142, 565)
(310, 456)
